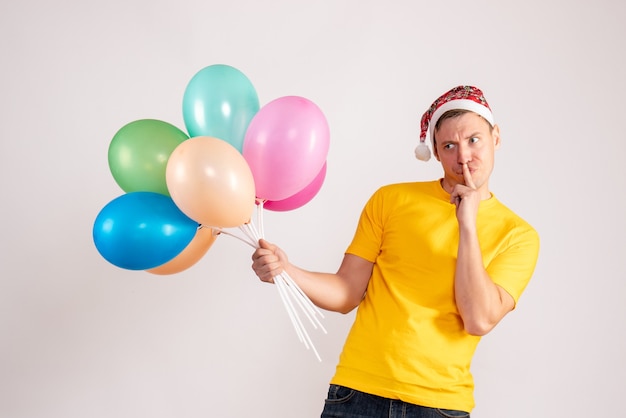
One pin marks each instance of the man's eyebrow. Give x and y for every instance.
(449, 141)
(474, 134)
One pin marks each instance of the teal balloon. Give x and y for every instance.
(142, 230)
(220, 101)
(138, 154)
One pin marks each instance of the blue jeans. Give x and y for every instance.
(349, 403)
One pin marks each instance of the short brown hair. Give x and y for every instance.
(451, 114)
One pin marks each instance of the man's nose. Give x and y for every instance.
(464, 155)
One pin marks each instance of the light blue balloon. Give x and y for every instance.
(220, 101)
(142, 230)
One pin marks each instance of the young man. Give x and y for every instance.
(432, 267)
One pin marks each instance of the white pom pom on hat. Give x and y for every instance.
(422, 152)
(461, 97)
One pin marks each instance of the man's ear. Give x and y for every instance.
(435, 153)
(495, 133)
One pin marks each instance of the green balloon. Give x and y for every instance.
(138, 154)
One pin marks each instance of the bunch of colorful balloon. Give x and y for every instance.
(183, 191)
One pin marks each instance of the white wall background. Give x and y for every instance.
(80, 337)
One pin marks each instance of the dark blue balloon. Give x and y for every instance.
(142, 230)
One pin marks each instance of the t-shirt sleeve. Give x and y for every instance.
(514, 266)
(366, 242)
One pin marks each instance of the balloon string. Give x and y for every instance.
(309, 313)
(300, 329)
(260, 217)
(251, 233)
(288, 290)
(284, 299)
(302, 297)
(249, 242)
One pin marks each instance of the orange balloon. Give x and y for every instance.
(195, 250)
(211, 182)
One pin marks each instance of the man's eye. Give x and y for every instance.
(474, 139)
(448, 146)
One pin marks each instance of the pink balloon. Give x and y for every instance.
(299, 199)
(286, 145)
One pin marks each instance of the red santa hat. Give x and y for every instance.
(461, 97)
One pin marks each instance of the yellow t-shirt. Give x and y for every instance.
(408, 341)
